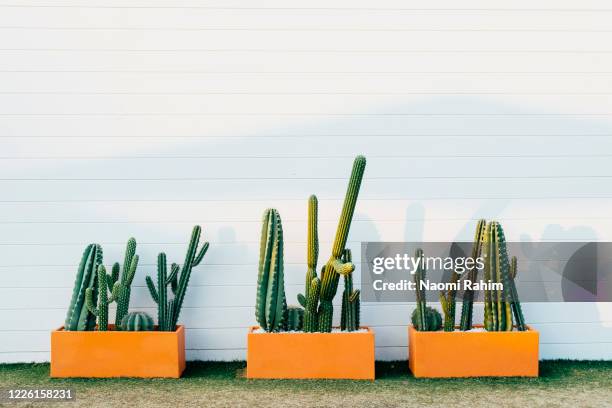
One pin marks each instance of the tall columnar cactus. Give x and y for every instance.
(271, 306)
(122, 287)
(78, 316)
(467, 307)
(498, 314)
(349, 319)
(334, 268)
(516, 304)
(137, 321)
(421, 301)
(168, 311)
(310, 299)
(103, 299)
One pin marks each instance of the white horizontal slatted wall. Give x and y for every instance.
(144, 117)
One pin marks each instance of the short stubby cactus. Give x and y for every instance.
(271, 303)
(295, 318)
(431, 320)
(137, 321)
(78, 316)
(168, 311)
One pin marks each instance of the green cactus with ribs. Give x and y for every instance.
(467, 306)
(310, 299)
(91, 298)
(137, 321)
(168, 310)
(78, 317)
(271, 303)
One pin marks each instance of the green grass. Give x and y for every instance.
(561, 383)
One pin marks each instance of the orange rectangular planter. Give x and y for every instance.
(473, 354)
(144, 354)
(341, 355)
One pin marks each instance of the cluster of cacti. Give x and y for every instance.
(168, 311)
(137, 321)
(79, 317)
(335, 267)
(271, 305)
(95, 290)
(429, 320)
(500, 304)
(322, 290)
(119, 289)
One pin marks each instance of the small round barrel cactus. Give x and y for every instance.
(433, 319)
(137, 321)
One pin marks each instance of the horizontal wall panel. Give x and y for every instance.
(257, 146)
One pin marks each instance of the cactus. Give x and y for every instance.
(349, 319)
(516, 304)
(271, 304)
(137, 321)
(103, 299)
(467, 307)
(421, 301)
(78, 316)
(310, 299)
(334, 268)
(432, 319)
(311, 321)
(498, 315)
(122, 288)
(295, 318)
(168, 311)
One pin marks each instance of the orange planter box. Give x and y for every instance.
(340, 355)
(473, 354)
(144, 354)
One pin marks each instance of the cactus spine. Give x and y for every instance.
(271, 306)
(349, 319)
(78, 316)
(310, 299)
(122, 288)
(137, 321)
(330, 275)
(467, 307)
(168, 311)
(421, 301)
(103, 299)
